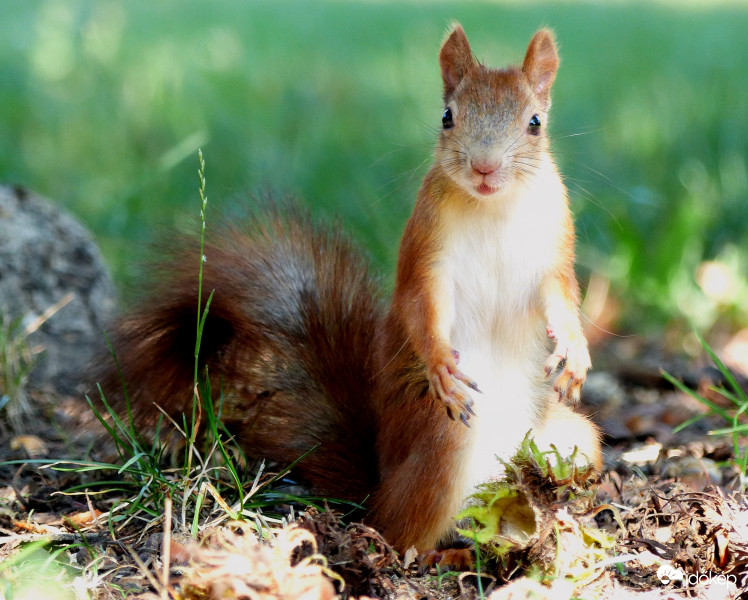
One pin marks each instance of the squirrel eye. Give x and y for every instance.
(447, 121)
(534, 125)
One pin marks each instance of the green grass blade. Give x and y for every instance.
(201, 324)
(688, 423)
(729, 430)
(723, 369)
(694, 394)
(134, 459)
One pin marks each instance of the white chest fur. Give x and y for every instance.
(494, 262)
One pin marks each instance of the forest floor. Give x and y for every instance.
(670, 516)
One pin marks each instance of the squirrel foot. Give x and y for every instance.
(451, 559)
(576, 362)
(442, 376)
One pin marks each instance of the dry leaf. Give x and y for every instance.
(32, 444)
(85, 518)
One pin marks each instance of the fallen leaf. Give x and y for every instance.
(32, 444)
(82, 519)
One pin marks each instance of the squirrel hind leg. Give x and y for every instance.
(566, 430)
(422, 480)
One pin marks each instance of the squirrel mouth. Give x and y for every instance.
(486, 190)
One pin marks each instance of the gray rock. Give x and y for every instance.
(47, 259)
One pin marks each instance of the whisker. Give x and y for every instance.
(557, 136)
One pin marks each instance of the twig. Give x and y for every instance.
(93, 538)
(166, 548)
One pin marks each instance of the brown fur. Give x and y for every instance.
(416, 444)
(288, 334)
(306, 354)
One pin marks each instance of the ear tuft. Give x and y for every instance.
(455, 58)
(541, 64)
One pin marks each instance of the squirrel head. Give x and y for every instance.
(494, 121)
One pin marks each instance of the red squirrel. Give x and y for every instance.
(408, 406)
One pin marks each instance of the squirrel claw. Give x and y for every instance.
(569, 387)
(575, 359)
(442, 382)
(575, 395)
(463, 417)
(553, 362)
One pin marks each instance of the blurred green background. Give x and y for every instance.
(104, 104)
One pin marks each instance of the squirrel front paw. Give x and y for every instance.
(576, 362)
(443, 374)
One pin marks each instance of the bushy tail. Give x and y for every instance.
(288, 340)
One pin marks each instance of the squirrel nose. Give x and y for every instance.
(484, 167)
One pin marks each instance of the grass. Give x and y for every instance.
(731, 409)
(16, 361)
(102, 103)
(34, 572)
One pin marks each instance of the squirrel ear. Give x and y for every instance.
(455, 58)
(541, 64)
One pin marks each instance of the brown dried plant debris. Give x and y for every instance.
(698, 532)
(315, 558)
(231, 562)
(357, 553)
